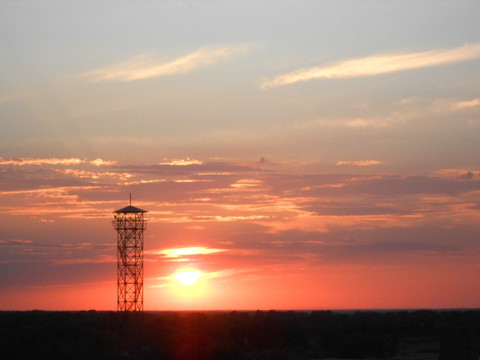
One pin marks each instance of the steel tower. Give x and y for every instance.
(129, 223)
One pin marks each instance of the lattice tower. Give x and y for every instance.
(129, 223)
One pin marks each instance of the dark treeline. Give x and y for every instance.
(240, 335)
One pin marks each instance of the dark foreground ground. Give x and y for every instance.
(241, 335)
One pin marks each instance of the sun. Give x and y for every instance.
(188, 277)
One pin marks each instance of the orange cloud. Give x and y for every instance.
(54, 192)
(95, 175)
(467, 104)
(32, 161)
(100, 162)
(246, 183)
(358, 163)
(179, 252)
(99, 260)
(182, 162)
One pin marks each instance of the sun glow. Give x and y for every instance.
(188, 277)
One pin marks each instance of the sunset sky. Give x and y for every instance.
(290, 154)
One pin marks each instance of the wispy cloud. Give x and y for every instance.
(84, 174)
(148, 66)
(54, 161)
(181, 162)
(179, 252)
(99, 260)
(358, 163)
(101, 162)
(467, 104)
(32, 161)
(378, 64)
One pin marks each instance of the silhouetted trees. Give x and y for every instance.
(239, 335)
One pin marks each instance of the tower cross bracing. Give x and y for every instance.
(130, 224)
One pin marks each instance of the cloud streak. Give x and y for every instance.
(32, 161)
(358, 163)
(181, 162)
(179, 252)
(378, 65)
(147, 66)
(467, 104)
(54, 161)
(101, 162)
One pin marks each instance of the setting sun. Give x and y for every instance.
(188, 277)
